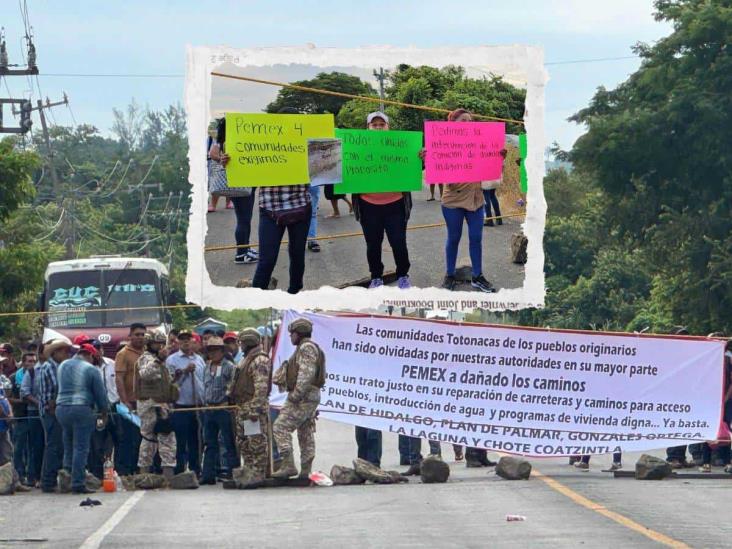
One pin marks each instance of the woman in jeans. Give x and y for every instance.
(243, 205)
(463, 202)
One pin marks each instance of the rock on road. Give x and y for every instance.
(468, 511)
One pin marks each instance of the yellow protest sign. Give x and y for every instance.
(269, 150)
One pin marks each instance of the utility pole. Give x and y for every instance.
(380, 76)
(68, 226)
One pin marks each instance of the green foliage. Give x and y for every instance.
(16, 168)
(449, 88)
(658, 147)
(317, 103)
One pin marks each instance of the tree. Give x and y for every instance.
(318, 103)
(658, 147)
(449, 88)
(25, 248)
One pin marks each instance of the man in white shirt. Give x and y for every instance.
(186, 368)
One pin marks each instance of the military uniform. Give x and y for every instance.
(250, 392)
(155, 392)
(303, 374)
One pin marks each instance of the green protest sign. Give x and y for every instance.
(380, 161)
(523, 149)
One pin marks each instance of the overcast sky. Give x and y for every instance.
(143, 37)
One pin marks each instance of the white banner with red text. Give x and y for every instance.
(533, 392)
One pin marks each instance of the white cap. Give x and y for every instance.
(377, 114)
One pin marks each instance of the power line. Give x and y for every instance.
(598, 60)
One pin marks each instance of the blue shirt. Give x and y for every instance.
(191, 392)
(80, 384)
(5, 405)
(31, 385)
(48, 384)
(216, 385)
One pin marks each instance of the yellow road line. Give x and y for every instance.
(612, 515)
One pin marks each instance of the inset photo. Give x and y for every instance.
(352, 179)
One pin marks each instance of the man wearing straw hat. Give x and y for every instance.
(55, 352)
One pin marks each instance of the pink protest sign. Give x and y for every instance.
(463, 152)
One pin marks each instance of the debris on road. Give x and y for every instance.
(434, 470)
(513, 468)
(88, 502)
(515, 518)
(652, 468)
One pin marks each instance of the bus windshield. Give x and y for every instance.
(77, 299)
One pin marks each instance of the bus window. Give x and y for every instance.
(73, 298)
(133, 290)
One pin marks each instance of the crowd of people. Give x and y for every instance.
(166, 404)
(200, 403)
(293, 208)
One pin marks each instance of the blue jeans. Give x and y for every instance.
(491, 199)
(129, 447)
(215, 423)
(270, 239)
(78, 422)
(244, 210)
(53, 454)
(369, 445)
(454, 219)
(314, 200)
(185, 425)
(410, 449)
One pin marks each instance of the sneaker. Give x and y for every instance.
(247, 257)
(706, 468)
(404, 283)
(676, 464)
(229, 205)
(582, 466)
(573, 459)
(728, 469)
(616, 466)
(473, 464)
(488, 223)
(376, 283)
(482, 284)
(313, 246)
(449, 282)
(459, 455)
(414, 470)
(252, 252)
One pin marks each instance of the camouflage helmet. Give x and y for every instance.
(301, 326)
(155, 337)
(250, 337)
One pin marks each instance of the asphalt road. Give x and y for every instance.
(343, 260)
(567, 508)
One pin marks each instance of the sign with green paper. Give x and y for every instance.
(523, 148)
(380, 161)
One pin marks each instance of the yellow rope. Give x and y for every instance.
(360, 97)
(112, 309)
(344, 235)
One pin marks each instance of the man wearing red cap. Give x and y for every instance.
(80, 391)
(231, 345)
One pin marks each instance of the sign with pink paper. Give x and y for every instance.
(463, 152)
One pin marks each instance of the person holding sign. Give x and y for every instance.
(380, 213)
(464, 202)
(284, 208)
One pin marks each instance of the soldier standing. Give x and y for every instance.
(155, 392)
(303, 375)
(250, 392)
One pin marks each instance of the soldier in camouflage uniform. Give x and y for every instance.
(303, 375)
(250, 390)
(155, 392)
